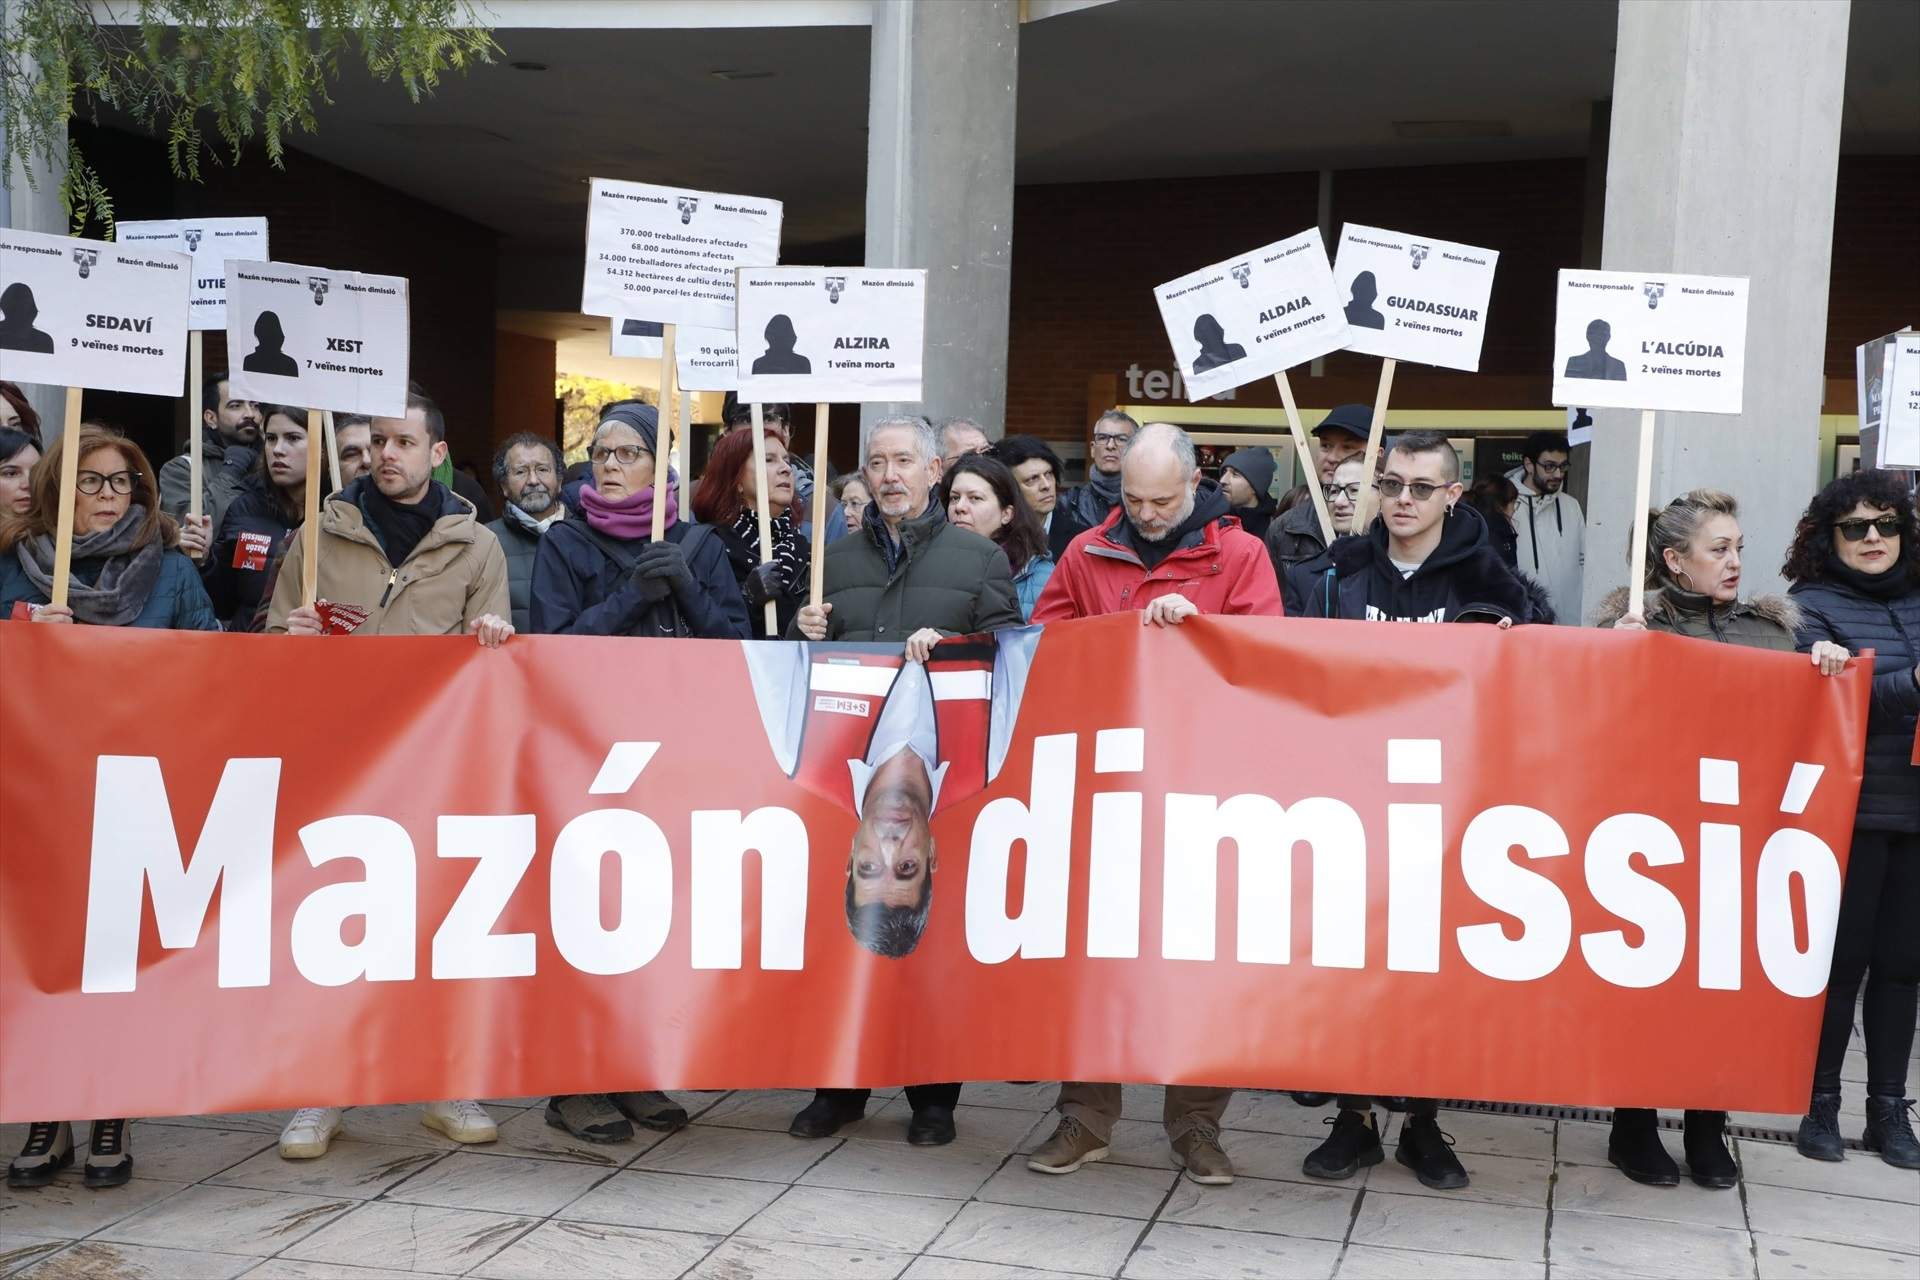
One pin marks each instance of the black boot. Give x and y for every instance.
(823, 1117)
(1635, 1149)
(931, 1126)
(48, 1150)
(1819, 1136)
(1890, 1132)
(109, 1156)
(1311, 1099)
(1709, 1163)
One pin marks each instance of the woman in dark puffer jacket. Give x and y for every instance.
(1855, 569)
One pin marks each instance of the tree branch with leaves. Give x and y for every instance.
(208, 76)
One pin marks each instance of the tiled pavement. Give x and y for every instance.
(734, 1197)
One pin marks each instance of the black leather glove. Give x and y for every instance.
(664, 563)
(762, 585)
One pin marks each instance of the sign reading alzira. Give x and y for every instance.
(447, 910)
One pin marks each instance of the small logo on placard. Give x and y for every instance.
(1243, 272)
(688, 206)
(84, 259)
(1418, 252)
(834, 285)
(841, 706)
(1654, 293)
(192, 235)
(319, 285)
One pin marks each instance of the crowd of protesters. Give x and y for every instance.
(943, 532)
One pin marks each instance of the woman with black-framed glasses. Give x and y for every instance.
(1855, 569)
(128, 571)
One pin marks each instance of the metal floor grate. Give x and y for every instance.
(1602, 1115)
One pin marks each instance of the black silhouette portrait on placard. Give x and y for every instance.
(641, 329)
(1360, 310)
(1215, 350)
(1581, 418)
(267, 355)
(1594, 362)
(781, 357)
(18, 311)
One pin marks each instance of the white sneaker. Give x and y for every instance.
(309, 1132)
(463, 1121)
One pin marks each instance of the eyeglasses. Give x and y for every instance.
(1856, 530)
(1351, 492)
(1109, 439)
(627, 453)
(1388, 487)
(1551, 468)
(92, 482)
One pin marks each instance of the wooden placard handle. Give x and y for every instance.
(1642, 499)
(663, 436)
(310, 530)
(760, 508)
(1363, 510)
(69, 488)
(1305, 454)
(817, 587)
(196, 426)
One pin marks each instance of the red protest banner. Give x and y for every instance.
(411, 868)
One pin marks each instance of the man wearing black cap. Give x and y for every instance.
(1295, 537)
(1246, 477)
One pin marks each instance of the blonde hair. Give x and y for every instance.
(1674, 527)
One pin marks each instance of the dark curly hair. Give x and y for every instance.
(1811, 557)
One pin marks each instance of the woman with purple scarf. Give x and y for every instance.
(599, 572)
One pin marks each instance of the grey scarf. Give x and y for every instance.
(126, 578)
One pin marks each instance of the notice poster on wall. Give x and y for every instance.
(830, 335)
(670, 254)
(1414, 297)
(1887, 371)
(211, 243)
(1252, 316)
(86, 313)
(317, 338)
(1628, 340)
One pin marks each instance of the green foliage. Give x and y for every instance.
(582, 398)
(209, 76)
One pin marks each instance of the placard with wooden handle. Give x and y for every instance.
(196, 424)
(760, 509)
(69, 487)
(663, 435)
(310, 531)
(1363, 508)
(816, 587)
(1300, 448)
(1642, 499)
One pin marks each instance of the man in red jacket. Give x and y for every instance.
(1170, 550)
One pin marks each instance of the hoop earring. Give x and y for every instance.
(1682, 573)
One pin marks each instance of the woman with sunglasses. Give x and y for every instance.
(128, 571)
(1855, 569)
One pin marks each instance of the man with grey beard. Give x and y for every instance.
(527, 472)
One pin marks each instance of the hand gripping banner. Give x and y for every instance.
(1546, 865)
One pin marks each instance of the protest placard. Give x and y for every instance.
(211, 243)
(1888, 374)
(87, 313)
(831, 334)
(1254, 316)
(317, 337)
(1647, 341)
(1641, 340)
(669, 254)
(1414, 297)
(707, 359)
(636, 339)
(1410, 298)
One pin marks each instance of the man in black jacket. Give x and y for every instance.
(527, 472)
(1037, 469)
(1426, 559)
(908, 577)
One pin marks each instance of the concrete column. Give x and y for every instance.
(1723, 148)
(940, 121)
